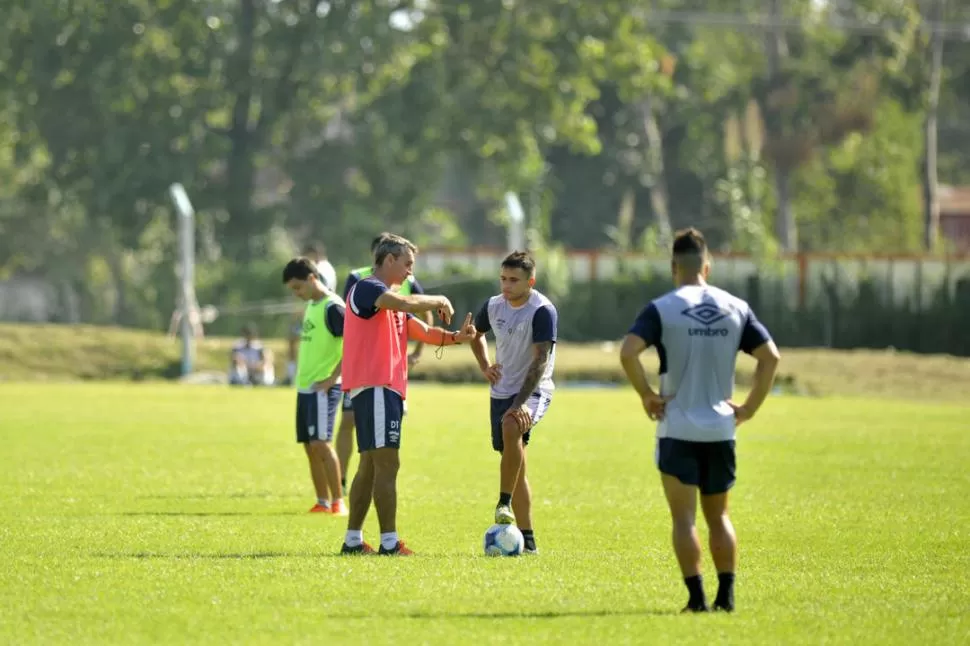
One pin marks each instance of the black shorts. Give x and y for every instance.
(537, 404)
(315, 415)
(709, 466)
(348, 404)
(378, 413)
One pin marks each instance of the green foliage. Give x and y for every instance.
(334, 120)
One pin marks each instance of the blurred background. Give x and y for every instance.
(821, 145)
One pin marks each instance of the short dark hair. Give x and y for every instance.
(378, 240)
(250, 329)
(689, 249)
(520, 260)
(299, 268)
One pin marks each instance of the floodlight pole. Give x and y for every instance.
(185, 272)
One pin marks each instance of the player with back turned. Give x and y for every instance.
(698, 330)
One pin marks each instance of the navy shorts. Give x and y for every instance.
(348, 404)
(378, 413)
(709, 466)
(537, 405)
(315, 415)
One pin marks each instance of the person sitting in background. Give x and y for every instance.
(251, 364)
(317, 254)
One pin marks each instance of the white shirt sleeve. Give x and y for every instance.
(328, 273)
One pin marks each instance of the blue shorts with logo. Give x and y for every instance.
(348, 404)
(537, 405)
(315, 415)
(378, 413)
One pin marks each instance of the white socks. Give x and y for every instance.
(355, 537)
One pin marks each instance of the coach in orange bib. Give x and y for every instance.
(378, 324)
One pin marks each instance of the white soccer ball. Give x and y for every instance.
(503, 540)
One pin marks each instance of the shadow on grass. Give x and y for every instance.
(209, 496)
(190, 556)
(550, 614)
(208, 513)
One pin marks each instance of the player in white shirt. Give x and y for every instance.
(524, 324)
(698, 331)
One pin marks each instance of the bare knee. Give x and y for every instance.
(511, 433)
(386, 463)
(715, 511)
(683, 521)
(365, 468)
(313, 449)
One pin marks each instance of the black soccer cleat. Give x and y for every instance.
(690, 608)
(398, 550)
(363, 548)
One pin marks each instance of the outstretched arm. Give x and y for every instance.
(416, 304)
(418, 330)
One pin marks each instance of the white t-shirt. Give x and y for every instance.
(328, 274)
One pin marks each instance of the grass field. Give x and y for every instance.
(176, 514)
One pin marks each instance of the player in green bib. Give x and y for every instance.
(345, 435)
(318, 380)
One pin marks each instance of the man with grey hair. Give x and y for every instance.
(379, 322)
(698, 331)
(524, 324)
(345, 433)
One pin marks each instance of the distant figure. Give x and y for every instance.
(251, 364)
(317, 254)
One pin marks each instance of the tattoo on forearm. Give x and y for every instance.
(536, 370)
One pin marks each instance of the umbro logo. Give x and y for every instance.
(705, 313)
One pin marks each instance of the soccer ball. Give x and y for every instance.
(503, 540)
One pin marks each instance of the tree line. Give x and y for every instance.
(615, 121)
